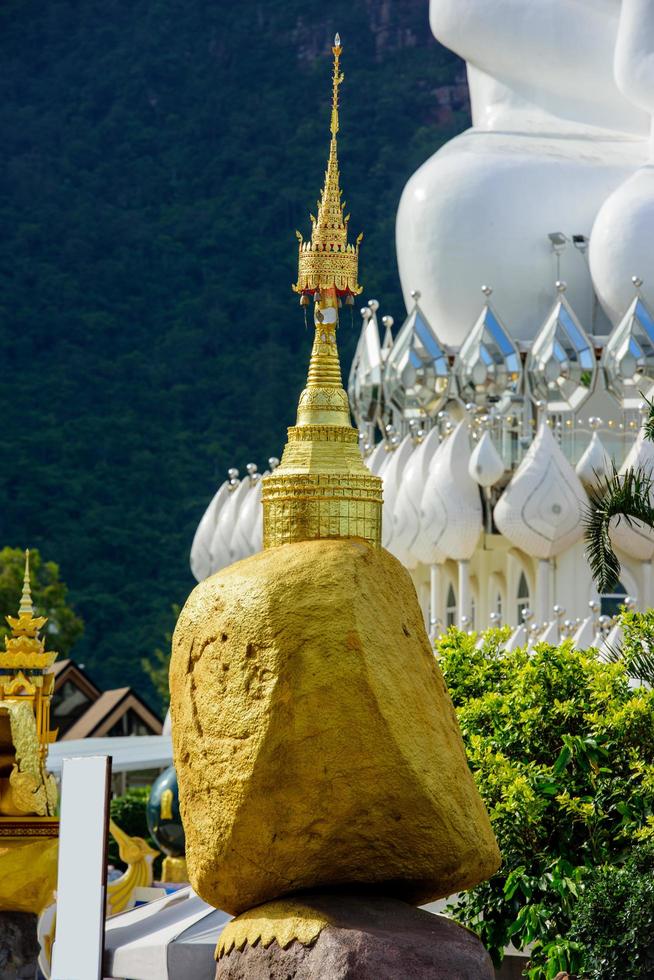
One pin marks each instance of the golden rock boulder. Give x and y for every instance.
(314, 739)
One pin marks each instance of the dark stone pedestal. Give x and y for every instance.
(19, 948)
(368, 939)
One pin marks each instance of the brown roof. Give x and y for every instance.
(106, 711)
(67, 669)
(96, 713)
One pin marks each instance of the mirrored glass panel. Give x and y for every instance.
(416, 378)
(488, 368)
(628, 359)
(561, 365)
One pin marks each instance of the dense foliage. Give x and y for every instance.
(157, 157)
(563, 754)
(613, 921)
(49, 594)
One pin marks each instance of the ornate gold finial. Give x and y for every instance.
(328, 259)
(24, 648)
(322, 488)
(26, 608)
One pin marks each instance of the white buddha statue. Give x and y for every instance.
(553, 136)
(622, 242)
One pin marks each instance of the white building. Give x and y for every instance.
(498, 415)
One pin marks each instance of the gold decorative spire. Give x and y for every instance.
(26, 608)
(328, 259)
(322, 488)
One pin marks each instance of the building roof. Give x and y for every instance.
(67, 669)
(107, 710)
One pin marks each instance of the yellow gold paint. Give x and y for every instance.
(283, 922)
(322, 488)
(328, 259)
(166, 805)
(174, 870)
(138, 856)
(25, 785)
(314, 739)
(28, 792)
(28, 873)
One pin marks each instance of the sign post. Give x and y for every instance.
(81, 879)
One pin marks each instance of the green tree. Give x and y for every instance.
(50, 595)
(613, 921)
(562, 749)
(156, 162)
(157, 666)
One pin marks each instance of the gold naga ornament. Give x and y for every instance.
(26, 687)
(322, 487)
(28, 792)
(314, 740)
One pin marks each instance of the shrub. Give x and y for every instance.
(613, 921)
(563, 755)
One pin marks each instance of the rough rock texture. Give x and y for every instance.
(314, 739)
(19, 948)
(369, 939)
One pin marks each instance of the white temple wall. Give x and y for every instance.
(495, 572)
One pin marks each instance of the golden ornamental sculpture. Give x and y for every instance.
(28, 792)
(322, 488)
(315, 744)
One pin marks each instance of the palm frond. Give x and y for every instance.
(648, 424)
(639, 663)
(625, 496)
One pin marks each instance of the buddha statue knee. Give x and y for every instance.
(622, 244)
(553, 135)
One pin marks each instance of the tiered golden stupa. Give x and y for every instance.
(28, 793)
(315, 743)
(322, 488)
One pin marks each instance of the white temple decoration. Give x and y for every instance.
(561, 363)
(222, 549)
(201, 547)
(416, 376)
(488, 367)
(450, 510)
(594, 464)
(406, 513)
(248, 529)
(486, 465)
(365, 381)
(480, 422)
(628, 358)
(540, 511)
(636, 540)
(392, 475)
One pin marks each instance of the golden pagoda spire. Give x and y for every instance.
(322, 488)
(328, 260)
(26, 607)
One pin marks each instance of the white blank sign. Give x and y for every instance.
(81, 876)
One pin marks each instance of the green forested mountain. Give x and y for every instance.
(157, 157)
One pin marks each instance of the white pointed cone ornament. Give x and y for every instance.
(406, 513)
(450, 510)
(392, 475)
(594, 463)
(636, 540)
(222, 548)
(542, 507)
(377, 457)
(200, 559)
(486, 465)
